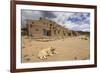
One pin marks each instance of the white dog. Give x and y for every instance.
(46, 52)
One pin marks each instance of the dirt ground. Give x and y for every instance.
(71, 48)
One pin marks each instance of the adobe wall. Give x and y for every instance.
(36, 29)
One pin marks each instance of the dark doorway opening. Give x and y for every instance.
(46, 32)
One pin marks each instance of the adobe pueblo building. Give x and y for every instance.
(44, 28)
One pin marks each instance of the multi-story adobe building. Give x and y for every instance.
(44, 28)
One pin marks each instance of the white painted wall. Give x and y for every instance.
(5, 36)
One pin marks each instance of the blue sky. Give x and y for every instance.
(78, 21)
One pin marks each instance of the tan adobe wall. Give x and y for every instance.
(44, 28)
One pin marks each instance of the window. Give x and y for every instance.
(54, 31)
(69, 34)
(32, 22)
(31, 25)
(50, 24)
(44, 23)
(58, 31)
(53, 27)
(64, 34)
(37, 29)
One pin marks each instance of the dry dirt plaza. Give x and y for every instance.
(71, 48)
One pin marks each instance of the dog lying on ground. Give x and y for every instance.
(44, 53)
